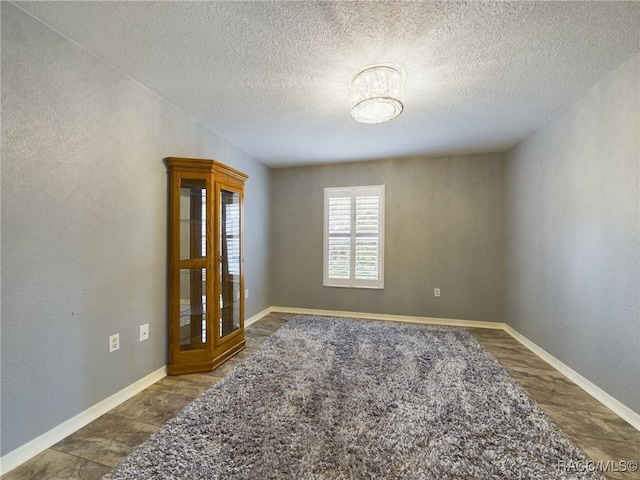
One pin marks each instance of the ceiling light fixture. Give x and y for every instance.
(376, 93)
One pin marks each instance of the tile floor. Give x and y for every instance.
(600, 433)
(93, 450)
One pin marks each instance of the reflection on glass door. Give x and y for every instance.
(193, 218)
(193, 308)
(229, 262)
(193, 246)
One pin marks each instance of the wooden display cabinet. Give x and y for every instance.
(206, 281)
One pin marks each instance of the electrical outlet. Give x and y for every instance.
(114, 342)
(144, 332)
(246, 293)
(436, 292)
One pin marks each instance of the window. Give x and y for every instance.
(354, 237)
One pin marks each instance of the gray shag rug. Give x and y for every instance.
(330, 398)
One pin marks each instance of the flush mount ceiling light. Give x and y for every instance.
(376, 93)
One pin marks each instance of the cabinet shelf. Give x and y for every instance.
(190, 312)
(191, 340)
(202, 334)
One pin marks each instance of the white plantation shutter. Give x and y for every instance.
(353, 237)
(367, 251)
(339, 239)
(233, 238)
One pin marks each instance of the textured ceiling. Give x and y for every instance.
(272, 77)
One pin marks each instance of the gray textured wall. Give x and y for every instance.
(573, 236)
(444, 228)
(83, 194)
(84, 226)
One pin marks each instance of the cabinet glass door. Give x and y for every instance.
(230, 262)
(193, 308)
(193, 250)
(193, 218)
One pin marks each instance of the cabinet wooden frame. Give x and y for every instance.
(206, 348)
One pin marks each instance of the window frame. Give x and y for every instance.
(352, 193)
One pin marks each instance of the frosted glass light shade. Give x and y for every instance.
(376, 95)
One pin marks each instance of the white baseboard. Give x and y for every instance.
(391, 318)
(592, 389)
(27, 451)
(257, 316)
(38, 445)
